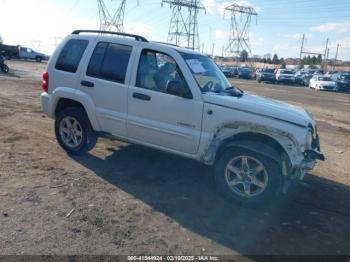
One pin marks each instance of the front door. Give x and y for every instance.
(156, 117)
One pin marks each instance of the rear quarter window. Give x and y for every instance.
(71, 55)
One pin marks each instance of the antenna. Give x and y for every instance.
(183, 30)
(239, 29)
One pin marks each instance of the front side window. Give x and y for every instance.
(156, 70)
(71, 55)
(110, 62)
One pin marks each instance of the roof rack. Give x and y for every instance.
(137, 37)
(164, 43)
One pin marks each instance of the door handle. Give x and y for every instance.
(141, 96)
(87, 83)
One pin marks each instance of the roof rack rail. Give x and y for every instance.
(137, 37)
(165, 43)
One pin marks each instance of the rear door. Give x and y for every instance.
(156, 117)
(105, 80)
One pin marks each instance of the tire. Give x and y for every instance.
(5, 69)
(38, 59)
(85, 136)
(259, 80)
(270, 176)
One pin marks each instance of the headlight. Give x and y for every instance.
(309, 139)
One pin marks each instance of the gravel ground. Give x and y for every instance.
(125, 199)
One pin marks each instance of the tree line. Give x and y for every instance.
(268, 59)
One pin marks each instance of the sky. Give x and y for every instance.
(42, 24)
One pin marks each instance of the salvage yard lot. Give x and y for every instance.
(122, 199)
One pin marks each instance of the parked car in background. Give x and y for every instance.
(9, 51)
(305, 79)
(244, 72)
(266, 75)
(28, 53)
(343, 81)
(226, 71)
(285, 76)
(322, 82)
(299, 76)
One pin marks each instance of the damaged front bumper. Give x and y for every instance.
(310, 157)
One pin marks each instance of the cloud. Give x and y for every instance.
(218, 8)
(221, 34)
(294, 36)
(43, 32)
(339, 27)
(139, 28)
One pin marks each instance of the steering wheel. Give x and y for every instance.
(208, 86)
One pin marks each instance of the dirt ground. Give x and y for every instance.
(125, 199)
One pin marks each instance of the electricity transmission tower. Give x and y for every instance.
(110, 21)
(241, 17)
(183, 30)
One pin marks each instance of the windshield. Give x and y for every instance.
(268, 71)
(288, 72)
(324, 78)
(345, 77)
(207, 74)
(244, 70)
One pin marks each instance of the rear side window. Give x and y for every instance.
(71, 55)
(110, 62)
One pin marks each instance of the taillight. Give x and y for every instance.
(45, 83)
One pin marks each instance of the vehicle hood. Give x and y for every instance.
(262, 106)
(332, 83)
(344, 81)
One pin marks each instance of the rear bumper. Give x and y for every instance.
(45, 99)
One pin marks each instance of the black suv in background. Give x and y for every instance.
(266, 75)
(343, 81)
(244, 72)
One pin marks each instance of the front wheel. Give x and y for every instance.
(74, 132)
(38, 59)
(246, 177)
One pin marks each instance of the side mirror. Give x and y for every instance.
(178, 89)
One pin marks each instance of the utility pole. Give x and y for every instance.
(110, 21)
(302, 48)
(183, 29)
(325, 51)
(212, 50)
(304, 51)
(239, 28)
(336, 56)
(326, 59)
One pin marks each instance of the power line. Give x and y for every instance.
(183, 29)
(239, 28)
(111, 21)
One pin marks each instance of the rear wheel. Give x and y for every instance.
(38, 59)
(74, 132)
(246, 177)
(5, 68)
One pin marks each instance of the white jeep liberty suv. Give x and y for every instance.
(176, 100)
